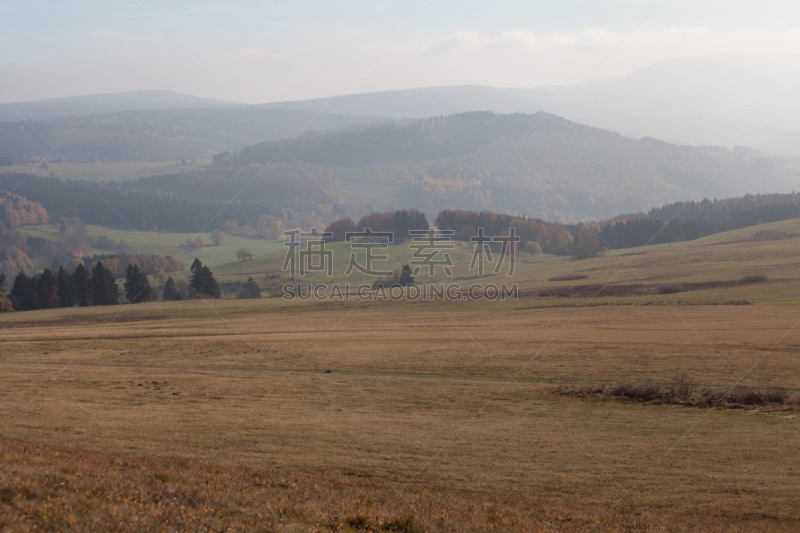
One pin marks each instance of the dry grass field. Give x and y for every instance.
(455, 416)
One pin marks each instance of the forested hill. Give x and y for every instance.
(201, 200)
(416, 140)
(537, 165)
(157, 135)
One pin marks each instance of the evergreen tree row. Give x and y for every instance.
(65, 289)
(98, 287)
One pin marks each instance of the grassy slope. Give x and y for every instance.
(772, 250)
(167, 243)
(105, 172)
(457, 406)
(450, 408)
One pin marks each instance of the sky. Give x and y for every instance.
(267, 51)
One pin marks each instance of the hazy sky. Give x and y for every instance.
(262, 51)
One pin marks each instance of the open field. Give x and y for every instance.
(166, 243)
(704, 271)
(104, 172)
(711, 270)
(424, 416)
(454, 399)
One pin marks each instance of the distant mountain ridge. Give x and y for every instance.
(99, 104)
(721, 100)
(158, 135)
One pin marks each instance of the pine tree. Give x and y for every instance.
(67, 292)
(83, 286)
(202, 280)
(405, 276)
(137, 288)
(104, 286)
(212, 289)
(250, 289)
(47, 289)
(171, 291)
(24, 293)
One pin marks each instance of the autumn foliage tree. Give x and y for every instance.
(339, 229)
(243, 254)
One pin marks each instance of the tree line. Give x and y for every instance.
(684, 221)
(113, 205)
(83, 287)
(399, 223)
(681, 221)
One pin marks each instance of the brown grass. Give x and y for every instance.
(455, 404)
(46, 488)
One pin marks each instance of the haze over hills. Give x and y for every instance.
(99, 104)
(719, 100)
(536, 165)
(158, 135)
(706, 100)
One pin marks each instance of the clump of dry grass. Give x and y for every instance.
(682, 390)
(568, 277)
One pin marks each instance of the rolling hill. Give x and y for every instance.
(713, 99)
(157, 135)
(535, 165)
(100, 104)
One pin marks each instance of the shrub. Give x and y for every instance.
(681, 388)
(644, 392)
(710, 398)
(754, 278)
(403, 523)
(776, 394)
(744, 395)
(568, 277)
(359, 521)
(669, 289)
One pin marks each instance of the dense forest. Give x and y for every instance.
(202, 200)
(533, 165)
(156, 135)
(432, 138)
(675, 222)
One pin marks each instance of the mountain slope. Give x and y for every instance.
(98, 104)
(157, 135)
(423, 102)
(715, 99)
(536, 165)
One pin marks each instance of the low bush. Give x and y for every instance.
(669, 289)
(568, 277)
(744, 395)
(645, 392)
(682, 390)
